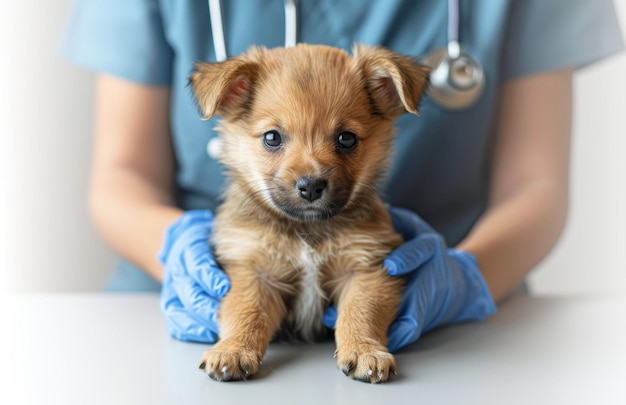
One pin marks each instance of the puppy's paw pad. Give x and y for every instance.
(230, 365)
(368, 363)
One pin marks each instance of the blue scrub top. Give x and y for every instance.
(441, 169)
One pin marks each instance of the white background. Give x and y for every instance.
(48, 243)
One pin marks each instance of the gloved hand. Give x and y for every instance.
(193, 284)
(444, 286)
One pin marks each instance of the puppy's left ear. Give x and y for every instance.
(223, 88)
(394, 82)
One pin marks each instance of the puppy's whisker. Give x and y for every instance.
(255, 191)
(252, 198)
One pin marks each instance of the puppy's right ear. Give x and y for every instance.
(223, 88)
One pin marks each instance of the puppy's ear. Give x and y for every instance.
(395, 83)
(225, 87)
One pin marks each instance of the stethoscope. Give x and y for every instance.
(456, 80)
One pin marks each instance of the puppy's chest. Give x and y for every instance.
(305, 314)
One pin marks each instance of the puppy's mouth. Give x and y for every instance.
(307, 214)
(306, 204)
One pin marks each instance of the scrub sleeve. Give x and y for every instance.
(549, 35)
(123, 38)
(443, 155)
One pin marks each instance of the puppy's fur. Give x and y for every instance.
(307, 133)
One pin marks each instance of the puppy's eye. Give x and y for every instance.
(346, 140)
(272, 139)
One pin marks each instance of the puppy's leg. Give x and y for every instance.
(251, 312)
(367, 306)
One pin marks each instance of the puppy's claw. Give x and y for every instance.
(347, 368)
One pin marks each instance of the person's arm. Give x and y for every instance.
(529, 191)
(526, 214)
(130, 194)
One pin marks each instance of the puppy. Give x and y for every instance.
(307, 133)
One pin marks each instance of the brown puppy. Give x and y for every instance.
(307, 133)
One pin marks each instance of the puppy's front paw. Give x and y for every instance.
(230, 363)
(366, 362)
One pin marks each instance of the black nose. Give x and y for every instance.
(310, 188)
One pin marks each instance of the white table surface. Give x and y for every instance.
(114, 349)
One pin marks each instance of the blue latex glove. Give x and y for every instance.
(444, 286)
(193, 284)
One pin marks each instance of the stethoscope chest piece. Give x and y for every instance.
(455, 83)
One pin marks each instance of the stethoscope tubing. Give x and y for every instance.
(442, 90)
(217, 27)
